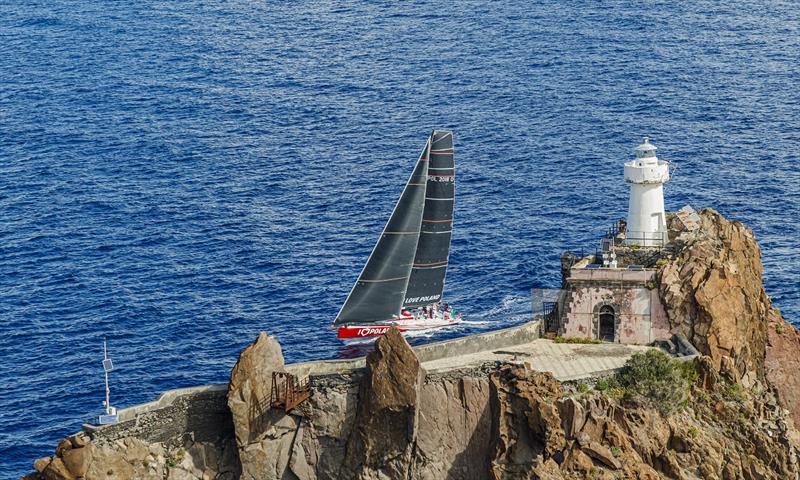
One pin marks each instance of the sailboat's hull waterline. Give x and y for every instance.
(402, 282)
(404, 324)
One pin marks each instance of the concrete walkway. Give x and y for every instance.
(565, 361)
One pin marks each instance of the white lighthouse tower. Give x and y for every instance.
(647, 225)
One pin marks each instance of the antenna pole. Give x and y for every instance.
(108, 391)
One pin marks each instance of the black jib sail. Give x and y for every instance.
(430, 263)
(380, 289)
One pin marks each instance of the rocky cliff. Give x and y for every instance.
(712, 291)
(726, 415)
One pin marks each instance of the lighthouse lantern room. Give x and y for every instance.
(646, 226)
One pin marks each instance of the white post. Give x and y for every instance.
(105, 371)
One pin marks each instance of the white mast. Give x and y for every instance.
(647, 224)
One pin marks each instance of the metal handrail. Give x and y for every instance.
(288, 392)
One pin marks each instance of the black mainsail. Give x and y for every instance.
(426, 283)
(380, 289)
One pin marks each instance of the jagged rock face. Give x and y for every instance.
(783, 363)
(712, 292)
(541, 434)
(383, 423)
(131, 458)
(385, 428)
(502, 423)
(526, 425)
(454, 428)
(251, 385)
(265, 437)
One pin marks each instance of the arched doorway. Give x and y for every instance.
(606, 324)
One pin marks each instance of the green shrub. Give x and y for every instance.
(583, 388)
(661, 262)
(575, 340)
(733, 392)
(615, 450)
(655, 379)
(609, 388)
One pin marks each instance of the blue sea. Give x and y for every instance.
(178, 175)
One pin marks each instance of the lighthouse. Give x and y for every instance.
(647, 225)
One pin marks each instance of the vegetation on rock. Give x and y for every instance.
(656, 380)
(575, 340)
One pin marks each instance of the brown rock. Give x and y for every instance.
(578, 462)
(454, 427)
(548, 470)
(385, 428)
(713, 293)
(41, 463)
(80, 440)
(77, 460)
(526, 425)
(728, 369)
(250, 388)
(707, 375)
(56, 470)
(63, 446)
(783, 363)
(602, 454)
(573, 416)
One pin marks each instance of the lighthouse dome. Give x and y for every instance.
(646, 149)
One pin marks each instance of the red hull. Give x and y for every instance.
(354, 331)
(404, 324)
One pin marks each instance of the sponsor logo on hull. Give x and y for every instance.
(370, 331)
(361, 332)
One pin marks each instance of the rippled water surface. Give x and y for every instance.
(180, 175)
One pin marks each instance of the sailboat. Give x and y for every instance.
(402, 282)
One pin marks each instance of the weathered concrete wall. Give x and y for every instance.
(639, 315)
(506, 337)
(202, 412)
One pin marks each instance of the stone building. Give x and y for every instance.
(611, 304)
